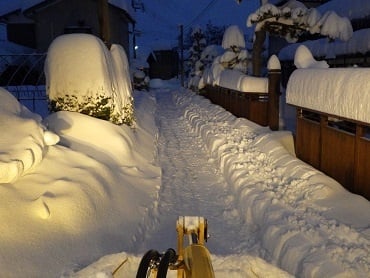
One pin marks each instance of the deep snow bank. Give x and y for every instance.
(82, 198)
(24, 147)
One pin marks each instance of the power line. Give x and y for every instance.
(201, 13)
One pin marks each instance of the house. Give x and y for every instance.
(163, 64)
(37, 23)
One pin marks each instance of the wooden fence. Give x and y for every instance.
(261, 108)
(338, 147)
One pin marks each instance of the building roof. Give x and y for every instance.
(8, 7)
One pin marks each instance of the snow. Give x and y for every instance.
(273, 63)
(233, 36)
(78, 63)
(324, 48)
(294, 13)
(83, 195)
(113, 192)
(303, 59)
(334, 26)
(239, 81)
(347, 8)
(19, 157)
(81, 71)
(342, 92)
(122, 75)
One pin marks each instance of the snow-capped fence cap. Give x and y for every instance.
(274, 63)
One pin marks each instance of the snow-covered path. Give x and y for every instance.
(258, 198)
(191, 184)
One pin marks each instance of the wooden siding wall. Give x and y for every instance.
(52, 20)
(340, 148)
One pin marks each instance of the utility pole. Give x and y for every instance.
(104, 24)
(182, 54)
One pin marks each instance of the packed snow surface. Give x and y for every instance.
(113, 192)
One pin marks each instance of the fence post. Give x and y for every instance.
(274, 76)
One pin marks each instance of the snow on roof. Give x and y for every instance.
(358, 43)
(348, 8)
(342, 92)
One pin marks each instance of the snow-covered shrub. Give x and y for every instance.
(235, 56)
(293, 19)
(83, 76)
(203, 66)
(198, 44)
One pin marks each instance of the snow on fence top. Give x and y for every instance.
(239, 81)
(343, 92)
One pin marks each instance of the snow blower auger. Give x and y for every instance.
(192, 261)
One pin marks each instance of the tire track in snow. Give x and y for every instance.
(191, 185)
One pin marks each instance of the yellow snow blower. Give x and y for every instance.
(192, 261)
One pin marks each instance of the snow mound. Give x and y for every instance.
(304, 59)
(18, 156)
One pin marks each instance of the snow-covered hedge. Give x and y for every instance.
(82, 75)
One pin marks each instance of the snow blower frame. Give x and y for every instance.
(192, 261)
